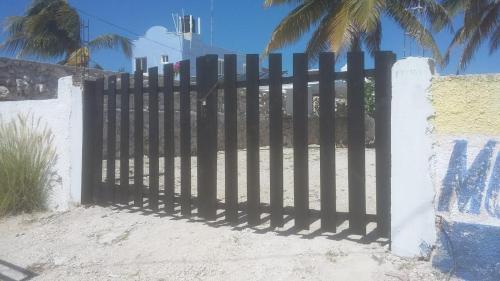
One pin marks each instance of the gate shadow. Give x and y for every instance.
(12, 272)
(288, 229)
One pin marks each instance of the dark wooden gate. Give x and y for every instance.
(108, 188)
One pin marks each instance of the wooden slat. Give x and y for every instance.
(89, 142)
(111, 194)
(185, 145)
(124, 137)
(98, 188)
(383, 96)
(211, 135)
(231, 138)
(252, 122)
(168, 144)
(138, 138)
(300, 142)
(276, 139)
(356, 142)
(153, 139)
(200, 133)
(327, 141)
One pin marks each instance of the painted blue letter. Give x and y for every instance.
(467, 183)
(492, 202)
(454, 176)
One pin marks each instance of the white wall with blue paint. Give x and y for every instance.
(446, 169)
(467, 175)
(467, 206)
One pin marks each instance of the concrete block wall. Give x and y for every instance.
(29, 80)
(446, 169)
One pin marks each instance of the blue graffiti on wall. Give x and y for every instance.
(469, 184)
(492, 202)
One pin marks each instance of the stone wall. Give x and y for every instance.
(27, 80)
(340, 125)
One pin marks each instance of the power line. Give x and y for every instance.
(134, 33)
(125, 29)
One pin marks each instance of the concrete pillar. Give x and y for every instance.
(412, 210)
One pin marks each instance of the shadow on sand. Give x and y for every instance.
(12, 272)
(288, 229)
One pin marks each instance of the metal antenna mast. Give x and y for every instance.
(418, 11)
(211, 22)
(85, 38)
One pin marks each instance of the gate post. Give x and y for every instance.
(412, 196)
(89, 143)
(383, 95)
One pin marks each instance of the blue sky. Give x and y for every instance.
(241, 25)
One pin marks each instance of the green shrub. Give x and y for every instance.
(27, 158)
(370, 97)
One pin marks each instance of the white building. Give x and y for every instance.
(160, 46)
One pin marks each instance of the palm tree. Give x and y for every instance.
(342, 25)
(481, 21)
(50, 29)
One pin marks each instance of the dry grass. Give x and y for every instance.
(27, 157)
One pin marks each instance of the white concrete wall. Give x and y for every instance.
(64, 117)
(413, 193)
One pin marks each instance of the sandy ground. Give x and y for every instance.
(314, 177)
(117, 243)
(99, 243)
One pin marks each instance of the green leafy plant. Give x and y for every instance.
(27, 158)
(480, 23)
(370, 97)
(51, 29)
(342, 25)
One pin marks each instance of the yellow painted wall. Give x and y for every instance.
(468, 104)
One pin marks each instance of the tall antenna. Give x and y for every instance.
(211, 22)
(419, 12)
(175, 20)
(81, 60)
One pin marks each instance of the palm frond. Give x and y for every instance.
(458, 38)
(365, 14)
(269, 3)
(13, 25)
(39, 34)
(437, 15)
(67, 19)
(455, 6)
(373, 39)
(319, 39)
(296, 23)
(112, 41)
(487, 25)
(495, 40)
(338, 35)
